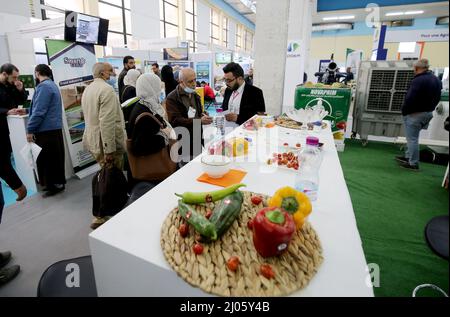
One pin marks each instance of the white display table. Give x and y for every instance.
(18, 135)
(126, 251)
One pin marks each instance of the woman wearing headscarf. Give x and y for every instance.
(168, 78)
(149, 136)
(129, 90)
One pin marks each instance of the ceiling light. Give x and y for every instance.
(391, 14)
(330, 18)
(346, 17)
(414, 12)
(332, 26)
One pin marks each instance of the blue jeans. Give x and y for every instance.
(414, 123)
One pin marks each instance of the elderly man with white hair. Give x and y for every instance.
(184, 110)
(104, 135)
(422, 98)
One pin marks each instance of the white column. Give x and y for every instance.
(145, 19)
(232, 35)
(300, 28)
(182, 20)
(270, 51)
(203, 20)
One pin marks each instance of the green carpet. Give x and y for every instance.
(392, 207)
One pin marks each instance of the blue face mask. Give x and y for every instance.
(112, 81)
(189, 90)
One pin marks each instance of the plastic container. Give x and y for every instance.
(310, 160)
(219, 123)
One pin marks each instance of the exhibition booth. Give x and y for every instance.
(298, 200)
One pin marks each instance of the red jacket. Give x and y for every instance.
(209, 92)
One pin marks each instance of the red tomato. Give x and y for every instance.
(256, 200)
(267, 272)
(184, 230)
(250, 224)
(233, 263)
(198, 249)
(341, 125)
(208, 213)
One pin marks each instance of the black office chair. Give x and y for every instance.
(436, 235)
(54, 281)
(140, 190)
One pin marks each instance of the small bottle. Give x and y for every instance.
(310, 160)
(219, 123)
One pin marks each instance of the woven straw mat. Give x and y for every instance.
(208, 271)
(286, 122)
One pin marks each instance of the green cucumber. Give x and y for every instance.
(226, 212)
(198, 221)
(208, 197)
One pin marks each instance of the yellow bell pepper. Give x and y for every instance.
(294, 202)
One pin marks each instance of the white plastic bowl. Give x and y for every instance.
(216, 166)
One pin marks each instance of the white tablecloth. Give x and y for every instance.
(126, 251)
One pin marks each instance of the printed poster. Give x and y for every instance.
(72, 65)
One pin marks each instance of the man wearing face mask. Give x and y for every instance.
(241, 100)
(184, 109)
(104, 135)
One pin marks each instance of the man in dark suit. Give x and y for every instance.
(12, 94)
(241, 100)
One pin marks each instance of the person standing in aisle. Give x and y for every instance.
(241, 100)
(349, 75)
(210, 95)
(184, 109)
(422, 98)
(129, 89)
(155, 69)
(45, 129)
(104, 135)
(12, 94)
(6, 274)
(128, 63)
(249, 77)
(168, 79)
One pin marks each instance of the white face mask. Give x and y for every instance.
(189, 90)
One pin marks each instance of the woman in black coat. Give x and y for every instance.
(168, 78)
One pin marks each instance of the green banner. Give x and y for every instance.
(335, 101)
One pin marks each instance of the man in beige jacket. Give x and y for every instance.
(104, 135)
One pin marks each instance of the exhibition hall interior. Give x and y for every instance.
(224, 148)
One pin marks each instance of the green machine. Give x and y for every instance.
(335, 100)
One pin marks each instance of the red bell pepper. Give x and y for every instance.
(273, 229)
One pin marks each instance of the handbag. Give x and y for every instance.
(109, 192)
(157, 166)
